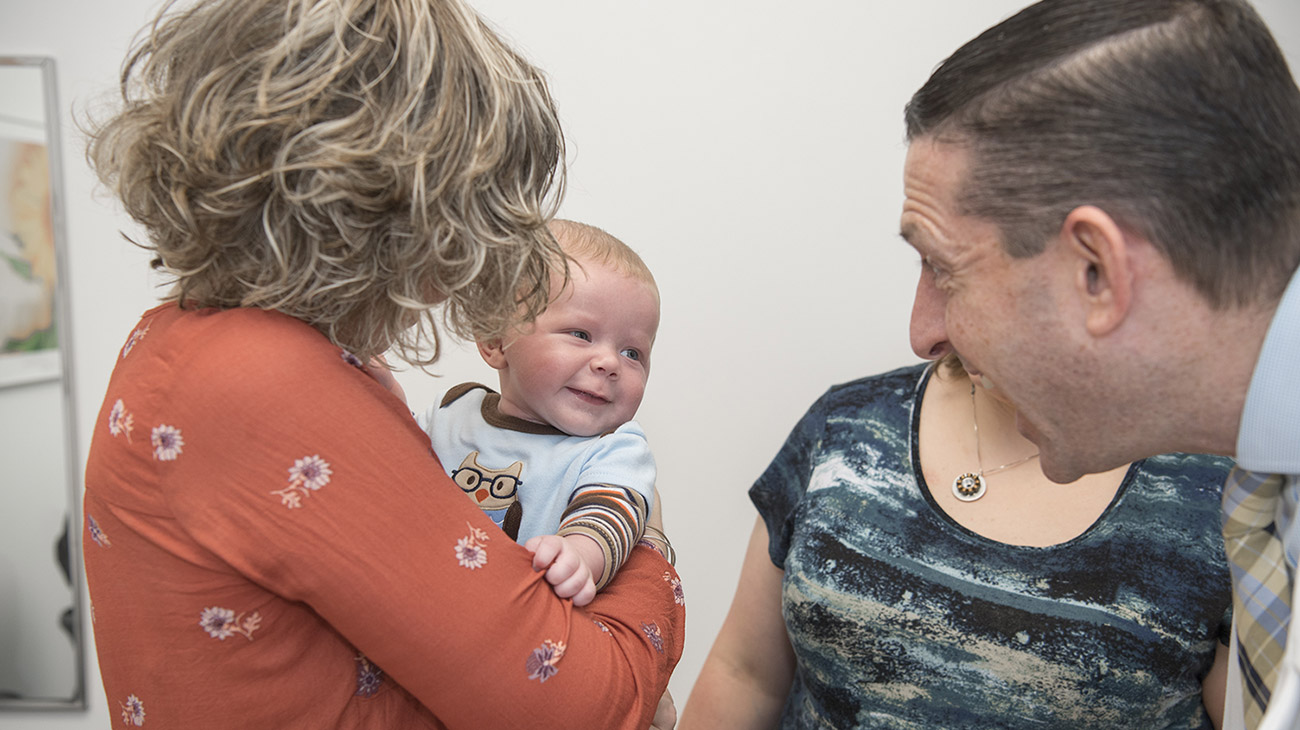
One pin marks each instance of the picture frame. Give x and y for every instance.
(30, 224)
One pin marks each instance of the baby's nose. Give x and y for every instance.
(605, 360)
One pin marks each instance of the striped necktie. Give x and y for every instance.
(1261, 583)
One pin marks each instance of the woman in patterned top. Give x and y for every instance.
(269, 541)
(912, 570)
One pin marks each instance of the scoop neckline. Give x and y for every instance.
(914, 457)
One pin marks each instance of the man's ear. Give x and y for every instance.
(493, 352)
(1103, 274)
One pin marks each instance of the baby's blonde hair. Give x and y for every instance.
(581, 241)
(346, 162)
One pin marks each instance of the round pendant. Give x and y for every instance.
(968, 487)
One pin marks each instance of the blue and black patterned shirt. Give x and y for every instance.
(902, 618)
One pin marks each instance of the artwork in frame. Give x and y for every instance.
(29, 336)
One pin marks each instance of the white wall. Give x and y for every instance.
(751, 151)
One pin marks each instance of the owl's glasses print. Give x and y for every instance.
(501, 486)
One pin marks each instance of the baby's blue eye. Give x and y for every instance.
(580, 335)
(632, 353)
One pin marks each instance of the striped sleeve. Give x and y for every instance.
(615, 517)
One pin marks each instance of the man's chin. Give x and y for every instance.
(1059, 473)
(1062, 465)
(1050, 460)
(1063, 470)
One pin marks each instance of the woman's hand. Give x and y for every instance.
(665, 714)
(378, 369)
(654, 531)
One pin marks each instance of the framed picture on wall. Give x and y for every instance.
(29, 335)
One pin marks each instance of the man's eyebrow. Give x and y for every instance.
(911, 233)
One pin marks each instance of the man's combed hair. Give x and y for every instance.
(345, 162)
(1179, 118)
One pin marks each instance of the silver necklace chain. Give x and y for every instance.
(971, 486)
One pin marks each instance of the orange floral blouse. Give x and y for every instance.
(270, 543)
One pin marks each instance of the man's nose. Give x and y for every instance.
(928, 331)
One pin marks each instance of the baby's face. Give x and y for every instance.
(582, 367)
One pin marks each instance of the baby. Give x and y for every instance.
(558, 446)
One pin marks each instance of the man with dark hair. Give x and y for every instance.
(1106, 198)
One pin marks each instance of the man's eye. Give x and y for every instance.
(580, 335)
(632, 353)
(935, 270)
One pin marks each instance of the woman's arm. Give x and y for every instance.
(387, 550)
(747, 675)
(1215, 685)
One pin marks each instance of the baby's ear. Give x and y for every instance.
(493, 353)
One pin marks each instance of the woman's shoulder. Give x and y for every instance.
(1198, 468)
(213, 329)
(1181, 481)
(247, 350)
(895, 387)
(864, 409)
(1178, 486)
(255, 341)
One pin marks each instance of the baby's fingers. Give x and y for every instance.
(572, 582)
(545, 549)
(566, 567)
(585, 595)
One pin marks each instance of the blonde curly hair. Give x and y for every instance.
(350, 163)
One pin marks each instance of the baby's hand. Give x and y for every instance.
(570, 563)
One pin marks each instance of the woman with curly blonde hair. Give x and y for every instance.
(269, 540)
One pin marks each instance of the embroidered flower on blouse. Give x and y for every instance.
(312, 471)
(353, 360)
(602, 626)
(97, 534)
(307, 475)
(133, 711)
(289, 498)
(651, 631)
(120, 420)
(217, 622)
(470, 552)
(134, 340)
(541, 663)
(167, 442)
(368, 677)
(679, 596)
(221, 623)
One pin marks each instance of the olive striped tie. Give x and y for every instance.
(1261, 583)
